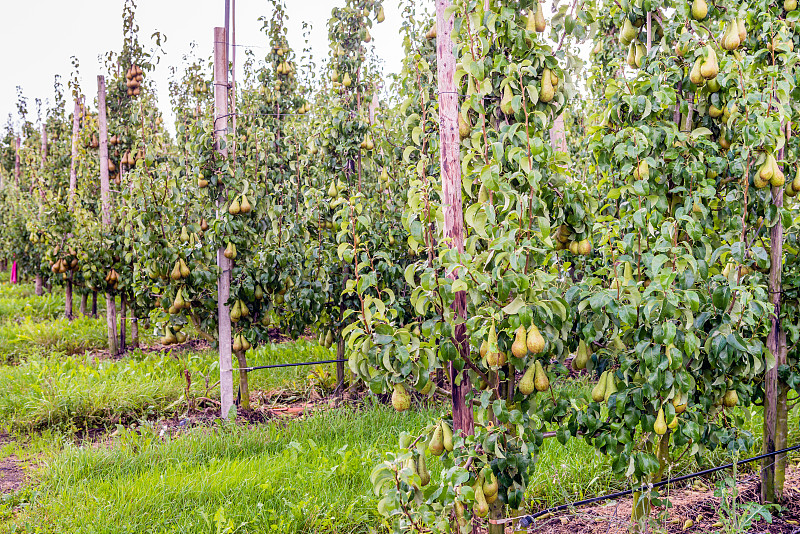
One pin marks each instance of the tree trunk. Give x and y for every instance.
(68, 297)
(449, 157)
(558, 136)
(224, 264)
(340, 381)
(84, 299)
(123, 323)
(111, 307)
(94, 304)
(39, 285)
(244, 386)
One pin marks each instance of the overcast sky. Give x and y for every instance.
(39, 37)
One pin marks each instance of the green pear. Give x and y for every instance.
(599, 390)
(526, 385)
(519, 348)
(547, 92)
(401, 400)
(539, 18)
(660, 425)
(699, 9)
(436, 445)
(628, 32)
(535, 341)
(710, 67)
(540, 380)
(447, 436)
(695, 76)
(611, 386)
(730, 40)
(505, 102)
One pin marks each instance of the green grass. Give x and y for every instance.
(76, 392)
(307, 475)
(18, 340)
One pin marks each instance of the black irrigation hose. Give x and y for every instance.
(286, 365)
(528, 520)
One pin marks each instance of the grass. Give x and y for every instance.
(307, 475)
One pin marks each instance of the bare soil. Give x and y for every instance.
(12, 474)
(702, 507)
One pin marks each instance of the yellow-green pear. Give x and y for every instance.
(526, 385)
(730, 399)
(540, 380)
(505, 102)
(436, 445)
(401, 400)
(695, 76)
(730, 40)
(628, 32)
(519, 348)
(660, 425)
(534, 341)
(742, 30)
(346, 81)
(599, 390)
(581, 356)
(539, 18)
(611, 385)
(547, 92)
(710, 67)
(699, 9)
(447, 436)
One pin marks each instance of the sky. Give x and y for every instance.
(39, 39)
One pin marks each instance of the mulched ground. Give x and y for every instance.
(699, 506)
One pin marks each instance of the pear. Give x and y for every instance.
(584, 247)
(180, 337)
(505, 102)
(463, 128)
(490, 484)
(699, 9)
(628, 32)
(230, 251)
(526, 385)
(483, 194)
(535, 341)
(714, 112)
(381, 15)
(461, 518)
(519, 348)
(235, 312)
(401, 400)
(184, 269)
(778, 178)
(796, 181)
(767, 170)
(170, 338)
(599, 390)
(234, 208)
(346, 81)
(484, 348)
(679, 402)
(642, 171)
(332, 191)
(730, 40)
(581, 356)
(245, 206)
(742, 30)
(179, 302)
(431, 32)
(789, 5)
(237, 343)
(660, 425)
(730, 399)
(640, 52)
(674, 423)
(710, 68)
(611, 385)
(540, 380)
(203, 225)
(447, 436)
(176, 271)
(547, 92)
(184, 237)
(481, 507)
(436, 445)
(258, 292)
(244, 309)
(681, 49)
(713, 85)
(422, 471)
(553, 79)
(539, 18)
(632, 56)
(695, 76)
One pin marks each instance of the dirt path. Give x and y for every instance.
(12, 474)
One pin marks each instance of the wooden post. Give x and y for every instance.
(775, 392)
(105, 201)
(449, 156)
(223, 263)
(134, 330)
(94, 304)
(122, 322)
(84, 301)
